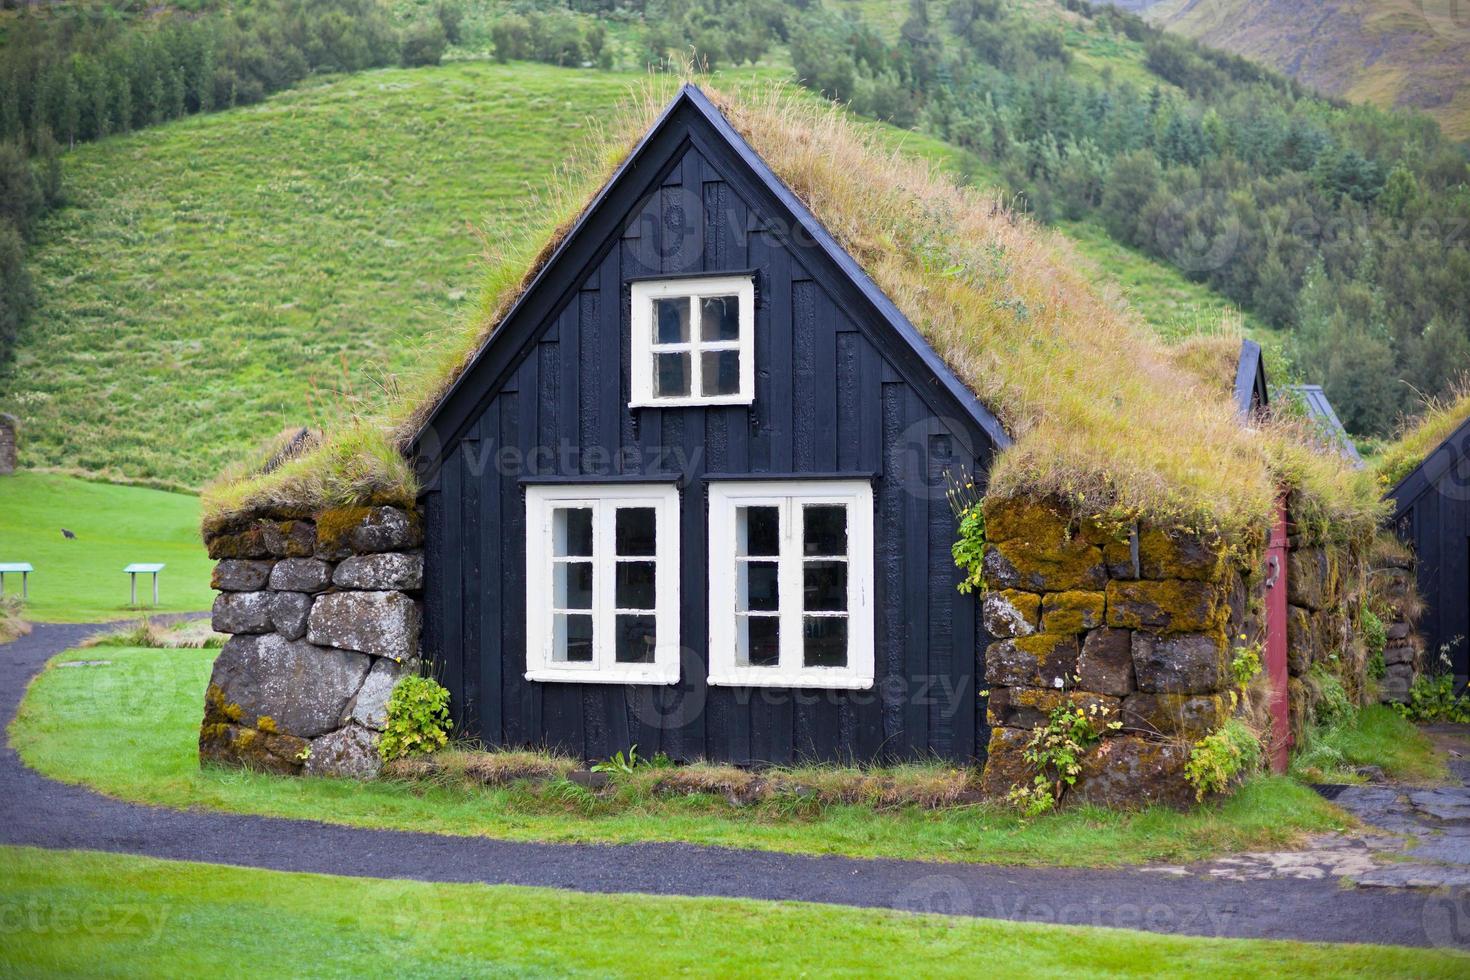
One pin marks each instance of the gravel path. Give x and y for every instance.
(38, 812)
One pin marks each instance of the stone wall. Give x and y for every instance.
(324, 611)
(1318, 626)
(1136, 621)
(9, 428)
(1395, 588)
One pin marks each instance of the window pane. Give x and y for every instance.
(721, 372)
(571, 638)
(571, 584)
(636, 531)
(824, 530)
(758, 531)
(824, 641)
(672, 375)
(824, 585)
(759, 641)
(635, 584)
(571, 531)
(756, 585)
(671, 320)
(719, 318)
(635, 637)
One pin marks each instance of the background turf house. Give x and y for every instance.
(683, 484)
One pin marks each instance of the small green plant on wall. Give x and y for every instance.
(1375, 640)
(969, 547)
(418, 719)
(1055, 751)
(1245, 664)
(1432, 696)
(1219, 758)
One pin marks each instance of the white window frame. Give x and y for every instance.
(604, 500)
(643, 347)
(791, 496)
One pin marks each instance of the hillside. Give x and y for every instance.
(220, 277)
(1412, 54)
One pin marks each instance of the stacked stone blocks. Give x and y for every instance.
(1134, 621)
(324, 614)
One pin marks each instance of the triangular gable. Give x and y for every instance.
(1252, 397)
(1453, 450)
(1333, 433)
(690, 119)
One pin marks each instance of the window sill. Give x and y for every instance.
(722, 401)
(836, 682)
(545, 675)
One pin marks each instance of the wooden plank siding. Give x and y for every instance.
(829, 399)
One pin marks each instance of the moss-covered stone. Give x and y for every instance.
(1106, 663)
(1192, 716)
(240, 575)
(345, 531)
(1072, 612)
(1005, 764)
(1308, 574)
(1301, 640)
(1168, 606)
(334, 527)
(249, 543)
(1011, 612)
(1025, 519)
(1166, 554)
(1029, 707)
(1040, 660)
(1129, 772)
(1057, 565)
(250, 748)
(289, 539)
(1121, 558)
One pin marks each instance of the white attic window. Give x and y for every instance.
(693, 341)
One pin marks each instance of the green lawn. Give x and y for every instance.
(129, 727)
(1375, 736)
(85, 913)
(81, 580)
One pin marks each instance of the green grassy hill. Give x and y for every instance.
(1411, 54)
(218, 278)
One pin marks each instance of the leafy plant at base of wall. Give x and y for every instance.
(1246, 664)
(418, 719)
(1332, 703)
(1056, 750)
(1375, 638)
(1432, 698)
(627, 764)
(1217, 759)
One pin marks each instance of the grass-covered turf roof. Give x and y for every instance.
(1103, 414)
(1422, 435)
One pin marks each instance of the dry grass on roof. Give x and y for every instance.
(1418, 437)
(1102, 415)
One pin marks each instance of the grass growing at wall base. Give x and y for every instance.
(150, 918)
(1374, 736)
(129, 728)
(80, 579)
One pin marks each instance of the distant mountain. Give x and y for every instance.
(1400, 53)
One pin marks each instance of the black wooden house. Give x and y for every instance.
(1431, 513)
(690, 495)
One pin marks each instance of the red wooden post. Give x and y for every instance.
(1276, 640)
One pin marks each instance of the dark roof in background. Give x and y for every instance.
(1251, 393)
(1450, 452)
(1320, 411)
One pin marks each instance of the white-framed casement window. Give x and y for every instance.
(791, 583)
(693, 341)
(602, 583)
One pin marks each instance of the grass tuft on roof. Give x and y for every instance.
(1103, 415)
(1420, 436)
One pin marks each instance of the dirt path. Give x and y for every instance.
(39, 812)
